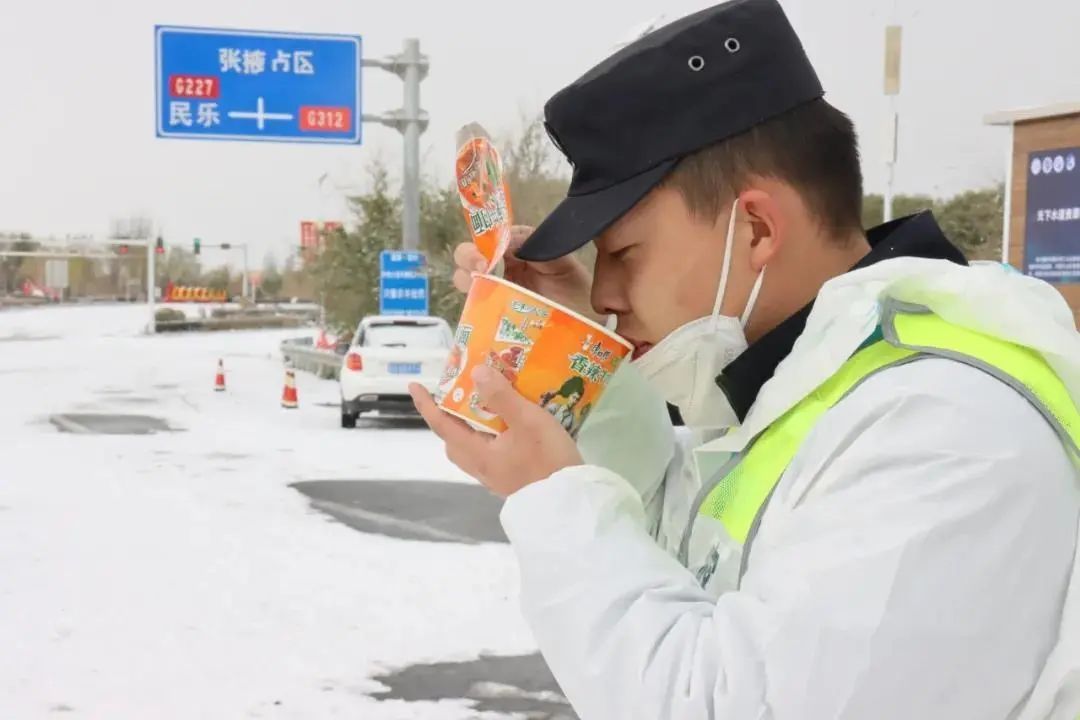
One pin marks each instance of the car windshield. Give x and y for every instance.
(414, 335)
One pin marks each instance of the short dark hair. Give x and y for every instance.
(812, 147)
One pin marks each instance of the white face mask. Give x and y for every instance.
(684, 365)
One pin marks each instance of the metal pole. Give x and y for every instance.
(410, 221)
(888, 202)
(892, 89)
(890, 159)
(412, 67)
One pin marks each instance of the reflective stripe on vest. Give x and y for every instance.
(910, 333)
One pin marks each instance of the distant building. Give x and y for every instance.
(1042, 197)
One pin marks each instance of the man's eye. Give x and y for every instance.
(621, 253)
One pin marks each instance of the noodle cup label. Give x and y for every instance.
(552, 356)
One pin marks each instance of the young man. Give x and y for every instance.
(873, 511)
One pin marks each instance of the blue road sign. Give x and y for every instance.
(249, 85)
(403, 283)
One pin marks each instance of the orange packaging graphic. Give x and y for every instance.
(485, 200)
(552, 356)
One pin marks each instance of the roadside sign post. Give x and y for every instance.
(403, 283)
(285, 87)
(214, 84)
(412, 67)
(250, 85)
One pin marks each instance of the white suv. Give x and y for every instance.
(389, 352)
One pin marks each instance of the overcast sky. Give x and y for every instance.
(77, 143)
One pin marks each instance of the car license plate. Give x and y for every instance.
(404, 368)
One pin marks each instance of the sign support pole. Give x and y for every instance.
(412, 67)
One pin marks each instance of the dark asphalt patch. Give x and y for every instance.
(410, 509)
(443, 512)
(520, 684)
(109, 424)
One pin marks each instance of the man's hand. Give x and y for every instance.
(533, 447)
(564, 280)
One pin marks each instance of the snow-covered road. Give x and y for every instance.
(176, 575)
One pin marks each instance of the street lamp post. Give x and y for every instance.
(892, 89)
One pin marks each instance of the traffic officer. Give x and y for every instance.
(873, 510)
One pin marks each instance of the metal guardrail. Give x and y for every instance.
(235, 322)
(301, 354)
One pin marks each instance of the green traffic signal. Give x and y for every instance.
(198, 246)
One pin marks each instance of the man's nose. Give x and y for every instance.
(607, 297)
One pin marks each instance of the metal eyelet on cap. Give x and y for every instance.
(732, 45)
(696, 63)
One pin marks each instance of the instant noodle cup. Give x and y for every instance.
(551, 355)
(485, 198)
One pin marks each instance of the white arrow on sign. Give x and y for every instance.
(260, 116)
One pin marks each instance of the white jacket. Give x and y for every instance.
(918, 558)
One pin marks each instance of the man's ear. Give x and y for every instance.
(767, 226)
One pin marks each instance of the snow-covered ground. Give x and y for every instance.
(176, 575)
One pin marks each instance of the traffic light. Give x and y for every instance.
(159, 246)
(198, 246)
(225, 246)
(123, 250)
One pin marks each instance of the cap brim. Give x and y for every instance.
(580, 218)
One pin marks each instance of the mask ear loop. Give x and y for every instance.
(726, 267)
(753, 298)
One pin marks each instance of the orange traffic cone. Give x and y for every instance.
(288, 397)
(219, 379)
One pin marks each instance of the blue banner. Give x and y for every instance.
(1052, 227)
(403, 283)
(251, 85)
